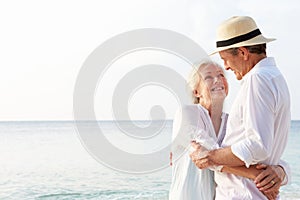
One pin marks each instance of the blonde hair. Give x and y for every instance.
(195, 79)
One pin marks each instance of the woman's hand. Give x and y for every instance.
(271, 195)
(269, 180)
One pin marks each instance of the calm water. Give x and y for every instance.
(46, 160)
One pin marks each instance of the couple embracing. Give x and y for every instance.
(235, 156)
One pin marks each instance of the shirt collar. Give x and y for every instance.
(267, 61)
(205, 110)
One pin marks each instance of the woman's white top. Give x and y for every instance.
(192, 122)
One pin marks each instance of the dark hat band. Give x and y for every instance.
(240, 38)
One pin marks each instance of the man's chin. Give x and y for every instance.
(238, 76)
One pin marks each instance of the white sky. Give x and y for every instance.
(43, 45)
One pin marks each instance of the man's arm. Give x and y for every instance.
(268, 179)
(222, 156)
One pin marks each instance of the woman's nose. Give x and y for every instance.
(217, 79)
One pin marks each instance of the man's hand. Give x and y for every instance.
(217, 157)
(200, 156)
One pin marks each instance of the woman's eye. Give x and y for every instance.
(208, 78)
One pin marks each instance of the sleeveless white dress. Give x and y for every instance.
(192, 122)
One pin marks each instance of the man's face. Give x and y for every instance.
(234, 63)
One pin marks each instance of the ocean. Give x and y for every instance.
(48, 160)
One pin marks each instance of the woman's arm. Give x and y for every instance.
(268, 178)
(250, 172)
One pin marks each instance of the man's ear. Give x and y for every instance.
(244, 52)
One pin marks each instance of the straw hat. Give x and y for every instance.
(239, 31)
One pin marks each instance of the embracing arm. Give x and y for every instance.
(267, 178)
(261, 174)
(252, 172)
(232, 164)
(222, 156)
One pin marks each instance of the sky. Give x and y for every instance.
(44, 44)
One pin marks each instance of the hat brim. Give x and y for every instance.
(256, 40)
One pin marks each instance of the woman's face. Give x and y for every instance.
(213, 84)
